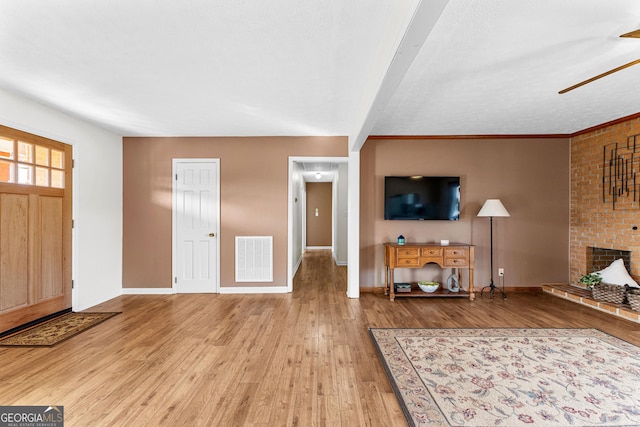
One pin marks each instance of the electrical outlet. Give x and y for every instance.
(501, 272)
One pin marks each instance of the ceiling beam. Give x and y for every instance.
(378, 93)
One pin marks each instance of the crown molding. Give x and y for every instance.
(606, 124)
(499, 136)
(514, 136)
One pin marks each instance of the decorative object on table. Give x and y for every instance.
(453, 283)
(429, 287)
(491, 208)
(56, 330)
(402, 287)
(589, 280)
(444, 242)
(615, 294)
(401, 239)
(474, 377)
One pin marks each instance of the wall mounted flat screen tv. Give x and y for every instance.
(422, 198)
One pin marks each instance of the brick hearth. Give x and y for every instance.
(583, 296)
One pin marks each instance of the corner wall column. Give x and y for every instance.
(353, 221)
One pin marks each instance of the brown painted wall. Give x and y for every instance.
(594, 222)
(530, 176)
(319, 227)
(253, 198)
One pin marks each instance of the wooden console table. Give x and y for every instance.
(417, 255)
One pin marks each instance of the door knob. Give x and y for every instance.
(212, 234)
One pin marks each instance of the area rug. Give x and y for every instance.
(512, 377)
(56, 330)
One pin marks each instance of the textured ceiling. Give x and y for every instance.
(496, 66)
(302, 67)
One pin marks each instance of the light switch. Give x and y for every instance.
(316, 211)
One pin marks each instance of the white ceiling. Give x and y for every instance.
(303, 67)
(320, 171)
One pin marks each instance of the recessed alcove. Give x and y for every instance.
(600, 258)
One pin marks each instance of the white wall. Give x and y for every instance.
(297, 188)
(340, 229)
(97, 194)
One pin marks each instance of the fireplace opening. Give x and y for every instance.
(600, 258)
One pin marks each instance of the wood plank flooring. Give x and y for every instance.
(299, 359)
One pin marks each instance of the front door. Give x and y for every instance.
(196, 215)
(35, 227)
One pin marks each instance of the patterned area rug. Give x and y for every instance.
(512, 377)
(56, 330)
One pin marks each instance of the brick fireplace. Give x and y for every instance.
(595, 221)
(600, 258)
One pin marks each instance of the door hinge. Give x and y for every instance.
(175, 280)
(176, 177)
(73, 163)
(72, 284)
(73, 223)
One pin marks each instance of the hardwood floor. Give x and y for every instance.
(298, 359)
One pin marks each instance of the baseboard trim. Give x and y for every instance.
(255, 290)
(148, 291)
(224, 290)
(523, 289)
(372, 290)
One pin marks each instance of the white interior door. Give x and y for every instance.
(196, 216)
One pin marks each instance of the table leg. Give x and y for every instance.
(386, 280)
(392, 290)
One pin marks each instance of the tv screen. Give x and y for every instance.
(422, 198)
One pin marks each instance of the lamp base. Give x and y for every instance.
(492, 290)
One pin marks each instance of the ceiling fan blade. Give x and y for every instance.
(599, 76)
(634, 34)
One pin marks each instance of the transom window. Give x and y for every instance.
(29, 163)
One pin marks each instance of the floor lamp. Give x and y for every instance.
(491, 208)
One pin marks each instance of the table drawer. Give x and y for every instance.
(408, 262)
(456, 262)
(456, 253)
(408, 252)
(432, 252)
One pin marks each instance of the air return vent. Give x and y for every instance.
(254, 258)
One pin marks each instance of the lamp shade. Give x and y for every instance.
(493, 207)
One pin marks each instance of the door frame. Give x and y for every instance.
(291, 268)
(174, 219)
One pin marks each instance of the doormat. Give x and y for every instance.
(508, 377)
(56, 330)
